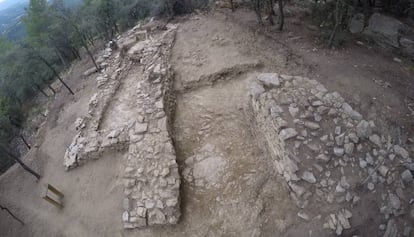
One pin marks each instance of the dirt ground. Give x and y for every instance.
(214, 57)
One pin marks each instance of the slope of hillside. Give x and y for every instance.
(227, 118)
(11, 11)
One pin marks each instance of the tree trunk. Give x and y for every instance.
(338, 17)
(51, 88)
(23, 165)
(11, 214)
(232, 5)
(85, 45)
(271, 12)
(41, 90)
(55, 73)
(59, 54)
(25, 142)
(281, 15)
(76, 53)
(257, 11)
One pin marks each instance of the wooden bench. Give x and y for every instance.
(53, 196)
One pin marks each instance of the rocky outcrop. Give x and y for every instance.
(357, 23)
(385, 31)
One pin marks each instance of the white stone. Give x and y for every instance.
(391, 230)
(125, 216)
(364, 129)
(407, 176)
(141, 211)
(297, 189)
(293, 110)
(394, 201)
(340, 139)
(269, 79)
(338, 151)
(371, 186)
(312, 125)
(349, 148)
(114, 134)
(375, 139)
(350, 112)
(303, 215)
(287, 133)
(140, 128)
(308, 177)
(383, 170)
(401, 152)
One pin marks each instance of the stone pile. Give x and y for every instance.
(151, 179)
(325, 151)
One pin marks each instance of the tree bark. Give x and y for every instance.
(55, 73)
(51, 88)
(59, 54)
(338, 17)
(22, 164)
(271, 12)
(85, 45)
(25, 142)
(41, 90)
(282, 15)
(11, 214)
(256, 7)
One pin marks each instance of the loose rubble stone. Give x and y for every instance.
(298, 190)
(407, 231)
(293, 110)
(407, 176)
(287, 133)
(371, 186)
(309, 177)
(125, 216)
(383, 170)
(349, 148)
(340, 139)
(391, 230)
(364, 129)
(312, 125)
(339, 151)
(352, 113)
(401, 152)
(375, 139)
(269, 79)
(354, 138)
(303, 216)
(394, 201)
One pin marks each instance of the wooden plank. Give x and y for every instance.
(54, 190)
(53, 202)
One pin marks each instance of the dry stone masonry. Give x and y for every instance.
(151, 179)
(328, 154)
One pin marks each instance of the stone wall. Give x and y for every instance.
(151, 177)
(327, 152)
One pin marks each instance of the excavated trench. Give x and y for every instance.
(226, 175)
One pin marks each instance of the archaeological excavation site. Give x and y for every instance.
(203, 126)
